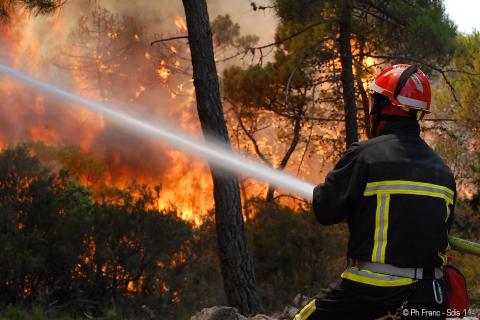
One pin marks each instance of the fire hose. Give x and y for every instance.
(464, 246)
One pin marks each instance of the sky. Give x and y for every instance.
(465, 13)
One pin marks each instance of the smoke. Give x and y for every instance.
(218, 155)
(101, 50)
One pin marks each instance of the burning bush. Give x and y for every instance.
(62, 250)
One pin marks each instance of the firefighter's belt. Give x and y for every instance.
(413, 273)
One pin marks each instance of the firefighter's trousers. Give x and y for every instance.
(350, 300)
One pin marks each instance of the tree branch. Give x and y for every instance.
(296, 136)
(441, 120)
(252, 50)
(298, 64)
(293, 35)
(250, 136)
(168, 39)
(254, 141)
(309, 136)
(389, 17)
(256, 7)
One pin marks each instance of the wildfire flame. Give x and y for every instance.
(180, 24)
(109, 73)
(163, 73)
(108, 63)
(139, 91)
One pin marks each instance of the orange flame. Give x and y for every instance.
(101, 75)
(181, 24)
(163, 73)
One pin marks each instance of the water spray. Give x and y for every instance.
(216, 154)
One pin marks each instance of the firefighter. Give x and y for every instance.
(397, 196)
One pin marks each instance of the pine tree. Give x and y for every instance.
(35, 6)
(236, 265)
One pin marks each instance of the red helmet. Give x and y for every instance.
(405, 86)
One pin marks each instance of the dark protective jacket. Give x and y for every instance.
(397, 196)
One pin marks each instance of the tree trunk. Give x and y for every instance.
(235, 262)
(361, 89)
(348, 84)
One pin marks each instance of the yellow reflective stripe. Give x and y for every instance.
(383, 190)
(375, 279)
(409, 187)
(381, 227)
(412, 183)
(385, 229)
(419, 115)
(377, 228)
(448, 209)
(407, 191)
(306, 311)
(443, 255)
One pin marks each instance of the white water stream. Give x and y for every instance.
(216, 154)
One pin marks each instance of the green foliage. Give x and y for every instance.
(224, 30)
(307, 57)
(14, 313)
(72, 255)
(467, 226)
(79, 165)
(467, 59)
(131, 244)
(226, 33)
(201, 285)
(59, 247)
(292, 254)
(36, 207)
(260, 83)
(458, 142)
(35, 6)
(411, 24)
(112, 314)
(394, 28)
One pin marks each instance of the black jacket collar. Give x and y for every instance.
(402, 126)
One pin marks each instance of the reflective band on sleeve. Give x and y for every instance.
(375, 279)
(381, 228)
(306, 311)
